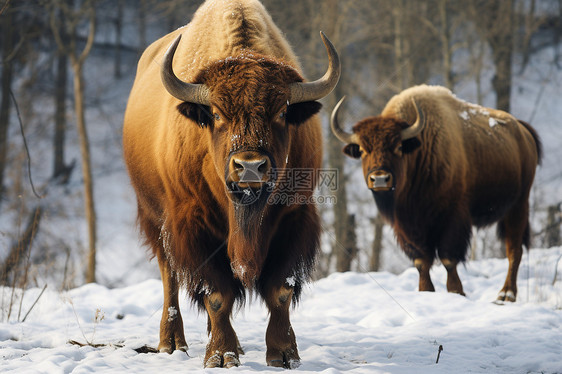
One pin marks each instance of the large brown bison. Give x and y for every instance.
(217, 112)
(437, 165)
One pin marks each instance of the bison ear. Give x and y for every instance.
(200, 114)
(352, 150)
(410, 145)
(301, 112)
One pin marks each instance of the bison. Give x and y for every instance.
(437, 166)
(218, 112)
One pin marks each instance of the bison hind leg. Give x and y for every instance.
(514, 230)
(453, 246)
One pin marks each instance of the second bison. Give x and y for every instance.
(436, 166)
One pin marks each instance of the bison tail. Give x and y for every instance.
(537, 139)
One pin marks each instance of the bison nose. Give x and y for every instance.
(249, 168)
(380, 180)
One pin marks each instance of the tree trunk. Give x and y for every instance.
(446, 45)
(7, 74)
(375, 262)
(19, 250)
(347, 249)
(336, 161)
(77, 62)
(397, 13)
(495, 20)
(59, 167)
(86, 171)
(553, 222)
(557, 37)
(118, 27)
(142, 26)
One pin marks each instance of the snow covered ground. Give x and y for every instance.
(346, 323)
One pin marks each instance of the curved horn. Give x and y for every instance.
(337, 130)
(417, 127)
(193, 93)
(301, 92)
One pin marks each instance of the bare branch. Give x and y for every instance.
(4, 7)
(91, 35)
(56, 33)
(36, 300)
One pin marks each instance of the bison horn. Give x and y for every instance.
(193, 93)
(301, 92)
(417, 127)
(337, 130)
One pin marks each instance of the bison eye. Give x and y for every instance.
(282, 115)
(217, 117)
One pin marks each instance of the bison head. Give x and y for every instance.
(248, 103)
(381, 143)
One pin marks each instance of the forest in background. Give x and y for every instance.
(67, 67)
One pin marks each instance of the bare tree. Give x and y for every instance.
(375, 260)
(6, 26)
(494, 19)
(60, 170)
(553, 222)
(73, 18)
(118, 31)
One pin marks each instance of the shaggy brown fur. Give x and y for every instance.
(177, 155)
(469, 166)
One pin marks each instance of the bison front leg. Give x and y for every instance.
(454, 283)
(171, 325)
(424, 265)
(223, 347)
(280, 338)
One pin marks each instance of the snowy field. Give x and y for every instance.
(346, 323)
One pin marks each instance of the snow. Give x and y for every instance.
(172, 313)
(345, 323)
(290, 281)
(464, 115)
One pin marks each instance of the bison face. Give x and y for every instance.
(380, 149)
(249, 120)
(381, 143)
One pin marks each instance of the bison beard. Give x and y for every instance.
(246, 248)
(385, 204)
(250, 210)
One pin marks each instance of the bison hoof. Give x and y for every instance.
(461, 292)
(170, 348)
(287, 360)
(505, 296)
(240, 349)
(226, 360)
